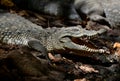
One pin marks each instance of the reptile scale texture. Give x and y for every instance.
(100, 10)
(17, 30)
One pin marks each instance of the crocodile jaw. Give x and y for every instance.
(77, 47)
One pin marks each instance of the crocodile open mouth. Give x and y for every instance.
(85, 44)
(81, 41)
(84, 41)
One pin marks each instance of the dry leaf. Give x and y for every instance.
(116, 45)
(88, 69)
(84, 79)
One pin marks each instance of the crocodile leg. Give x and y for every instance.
(35, 44)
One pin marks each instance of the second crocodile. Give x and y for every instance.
(106, 11)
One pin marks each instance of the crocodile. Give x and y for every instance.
(112, 12)
(100, 10)
(17, 30)
(51, 7)
(91, 8)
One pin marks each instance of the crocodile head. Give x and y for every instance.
(62, 39)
